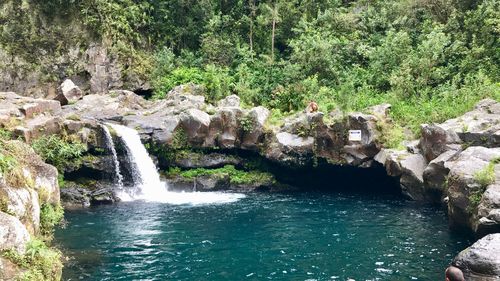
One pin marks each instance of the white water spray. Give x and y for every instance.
(149, 187)
(111, 147)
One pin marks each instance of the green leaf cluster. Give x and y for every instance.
(40, 262)
(235, 176)
(58, 151)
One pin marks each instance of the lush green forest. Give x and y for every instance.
(431, 59)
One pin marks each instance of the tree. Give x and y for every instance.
(271, 15)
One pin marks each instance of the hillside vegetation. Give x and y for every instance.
(431, 60)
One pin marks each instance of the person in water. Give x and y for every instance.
(453, 273)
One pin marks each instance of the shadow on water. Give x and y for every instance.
(331, 178)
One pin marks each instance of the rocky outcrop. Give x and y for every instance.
(467, 205)
(440, 170)
(481, 261)
(75, 195)
(13, 237)
(34, 184)
(479, 127)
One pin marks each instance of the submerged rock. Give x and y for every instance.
(481, 261)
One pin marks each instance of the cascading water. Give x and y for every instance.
(111, 147)
(148, 185)
(146, 178)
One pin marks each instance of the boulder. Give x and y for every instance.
(103, 196)
(412, 182)
(188, 91)
(294, 143)
(75, 197)
(380, 110)
(253, 138)
(23, 204)
(290, 150)
(436, 174)
(37, 107)
(226, 130)
(479, 127)
(390, 159)
(13, 234)
(464, 191)
(229, 101)
(481, 261)
(45, 181)
(68, 92)
(212, 183)
(488, 211)
(39, 127)
(195, 124)
(436, 140)
(357, 152)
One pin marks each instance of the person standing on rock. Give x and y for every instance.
(453, 273)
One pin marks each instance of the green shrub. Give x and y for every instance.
(50, 216)
(486, 176)
(391, 135)
(7, 163)
(217, 81)
(41, 262)
(58, 151)
(178, 76)
(246, 123)
(236, 176)
(5, 135)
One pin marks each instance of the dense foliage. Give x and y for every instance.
(39, 262)
(235, 176)
(58, 151)
(431, 59)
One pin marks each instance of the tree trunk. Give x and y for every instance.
(252, 16)
(272, 39)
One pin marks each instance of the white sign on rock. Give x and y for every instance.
(354, 135)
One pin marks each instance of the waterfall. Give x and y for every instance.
(147, 183)
(111, 147)
(146, 178)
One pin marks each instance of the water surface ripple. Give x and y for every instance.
(308, 236)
